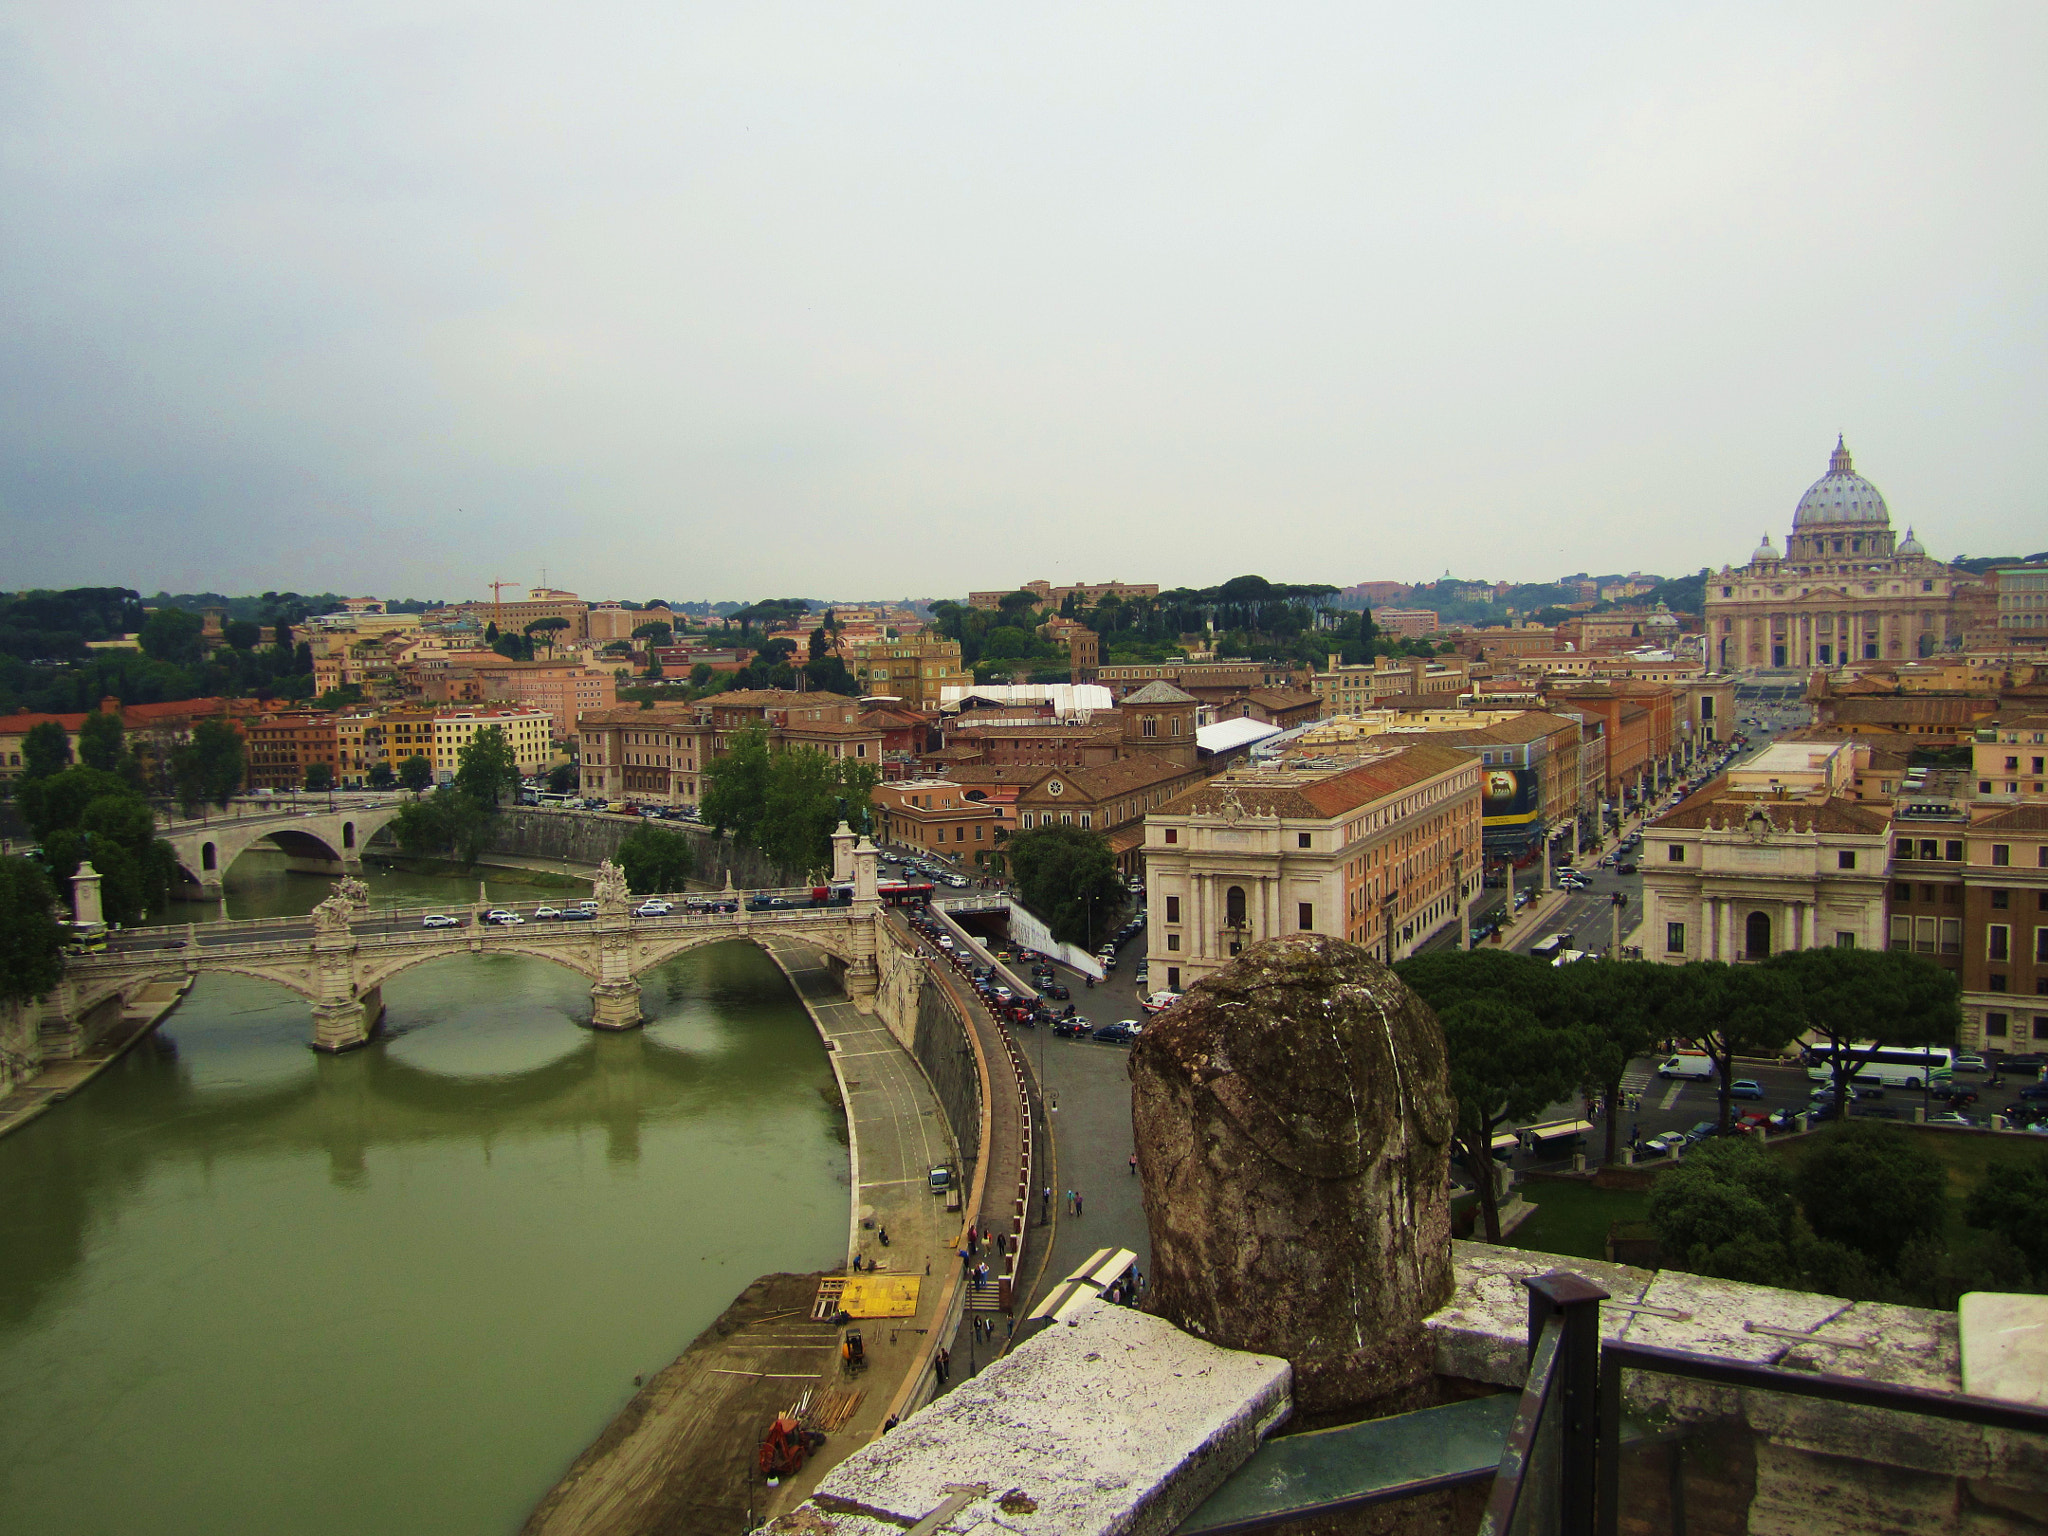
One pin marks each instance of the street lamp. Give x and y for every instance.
(1619, 903)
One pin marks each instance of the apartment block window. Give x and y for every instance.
(1903, 848)
(1173, 978)
(1173, 941)
(2001, 854)
(1674, 938)
(1678, 853)
(2041, 946)
(1994, 1026)
(1302, 840)
(1306, 912)
(1928, 848)
(1845, 860)
(1997, 942)
(1997, 980)
(1924, 930)
(1172, 835)
(1953, 851)
(1901, 891)
(1173, 909)
(2041, 858)
(1951, 936)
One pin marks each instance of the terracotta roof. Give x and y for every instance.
(1107, 780)
(1726, 811)
(1919, 709)
(1313, 797)
(1280, 698)
(2020, 818)
(1159, 692)
(758, 698)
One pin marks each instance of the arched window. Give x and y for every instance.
(1233, 907)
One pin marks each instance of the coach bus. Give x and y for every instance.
(1889, 1066)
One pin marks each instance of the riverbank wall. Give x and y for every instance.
(41, 1065)
(588, 837)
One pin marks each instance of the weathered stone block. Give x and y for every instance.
(1293, 1119)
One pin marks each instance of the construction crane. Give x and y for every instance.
(498, 603)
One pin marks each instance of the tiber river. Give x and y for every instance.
(247, 1288)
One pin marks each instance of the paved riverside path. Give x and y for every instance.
(898, 1131)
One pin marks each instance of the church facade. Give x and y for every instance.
(1844, 591)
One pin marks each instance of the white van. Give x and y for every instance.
(1687, 1064)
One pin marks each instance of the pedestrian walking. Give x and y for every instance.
(1134, 1165)
(1072, 1207)
(927, 1266)
(1077, 1204)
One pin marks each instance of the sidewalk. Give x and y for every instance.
(896, 1131)
(60, 1079)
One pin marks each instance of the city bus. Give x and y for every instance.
(1889, 1066)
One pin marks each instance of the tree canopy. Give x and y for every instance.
(86, 814)
(1067, 876)
(31, 938)
(486, 768)
(1870, 997)
(210, 765)
(656, 859)
(785, 804)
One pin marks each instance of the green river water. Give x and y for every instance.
(245, 1288)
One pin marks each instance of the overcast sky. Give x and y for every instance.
(887, 299)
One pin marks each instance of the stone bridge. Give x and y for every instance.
(320, 842)
(340, 957)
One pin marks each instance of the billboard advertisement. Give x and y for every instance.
(1509, 797)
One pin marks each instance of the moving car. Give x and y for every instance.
(1745, 1088)
(1072, 1029)
(653, 908)
(440, 920)
(499, 916)
(1123, 1032)
(546, 914)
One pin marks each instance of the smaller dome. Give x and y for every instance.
(1764, 551)
(1910, 546)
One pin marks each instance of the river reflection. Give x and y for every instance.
(245, 1287)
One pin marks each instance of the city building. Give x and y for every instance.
(539, 603)
(1845, 590)
(1111, 798)
(1347, 688)
(1085, 594)
(564, 688)
(1382, 853)
(1406, 623)
(1777, 854)
(2022, 606)
(1128, 677)
(152, 730)
(659, 755)
(940, 815)
(915, 673)
(279, 747)
(440, 733)
(1640, 721)
(2004, 969)
(2009, 757)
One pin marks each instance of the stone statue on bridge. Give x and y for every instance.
(334, 915)
(353, 891)
(610, 887)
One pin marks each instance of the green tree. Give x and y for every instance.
(86, 814)
(242, 634)
(1868, 997)
(546, 631)
(486, 769)
(2012, 1199)
(416, 773)
(341, 697)
(172, 634)
(1067, 876)
(656, 633)
(562, 779)
(102, 742)
(807, 795)
(1623, 1003)
(656, 859)
(45, 750)
(1872, 1187)
(446, 823)
(736, 786)
(1729, 1194)
(381, 776)
(1511, 1047)
(31, 937)
(319, 778)
(209, 766)
(1728, 1011)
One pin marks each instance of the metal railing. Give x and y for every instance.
(1555, 1464)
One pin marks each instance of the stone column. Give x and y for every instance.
(842, 854)
(863, 979)
(339, 1016)
(1293, 1121)
(85, 897)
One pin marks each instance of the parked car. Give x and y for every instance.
(440, 920)
(1123, 1032)
(1625, 869)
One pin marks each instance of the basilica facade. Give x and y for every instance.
(1842, 592)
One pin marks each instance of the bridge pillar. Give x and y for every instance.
(344, 1016)
(615, 996)
(863, 978)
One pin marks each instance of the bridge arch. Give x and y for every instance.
(331, 840)
(378, 970)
